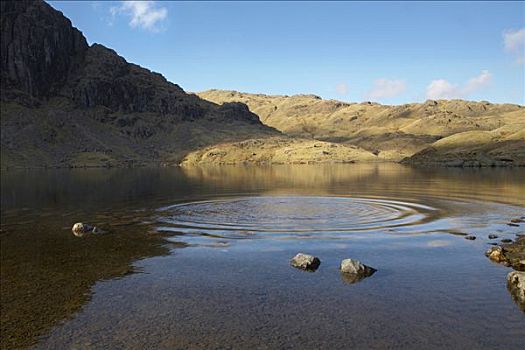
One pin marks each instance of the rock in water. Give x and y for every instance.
(305, 262)
(496, 254)
(493, 236)
(470, 237)
(353, 271)
(79, 229)
(516, 287)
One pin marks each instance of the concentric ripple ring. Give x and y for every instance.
(293, 215)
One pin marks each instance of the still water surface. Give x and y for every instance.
(199, 258)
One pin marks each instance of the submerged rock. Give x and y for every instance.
(470, 237)
(353, 271)
(305, 262)
(506, 240)
(493, 236)
(516, 287)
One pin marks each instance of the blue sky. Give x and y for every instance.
(352, 51)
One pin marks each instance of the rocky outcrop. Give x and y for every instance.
(305, 262)
(40, 49)
(509, 254)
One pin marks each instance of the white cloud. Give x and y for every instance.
(477, 82)
(384, 88)
(342, 89)
(142, 14)
(443, 89)
(514, 42)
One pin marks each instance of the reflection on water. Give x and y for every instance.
(234, 287)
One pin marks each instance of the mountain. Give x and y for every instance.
(443, 132)
(66, 103)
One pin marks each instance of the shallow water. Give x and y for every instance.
(219, 275)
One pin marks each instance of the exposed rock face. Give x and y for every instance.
(353, 271)
(65, 103)
(40, 49)
(305, 262)
(516, 287)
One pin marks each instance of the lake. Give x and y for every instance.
(194, 258)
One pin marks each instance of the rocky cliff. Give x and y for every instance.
(65, 103)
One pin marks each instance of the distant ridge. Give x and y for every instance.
(442, 132)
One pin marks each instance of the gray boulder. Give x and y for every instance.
(305, 262)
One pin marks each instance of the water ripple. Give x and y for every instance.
(294, 215)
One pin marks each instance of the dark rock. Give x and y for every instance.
(493, 236)
(39, 50)
(506, 240)
(470, 237)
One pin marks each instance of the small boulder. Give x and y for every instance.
(493, 236)
(496, 254)
(470, 237)
(353, 271)
(506, 240)
(305, 262)
(80, 229)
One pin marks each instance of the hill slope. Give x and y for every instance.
(395, 132)
(65, 103)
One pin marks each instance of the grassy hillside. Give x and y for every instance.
(394, 133)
